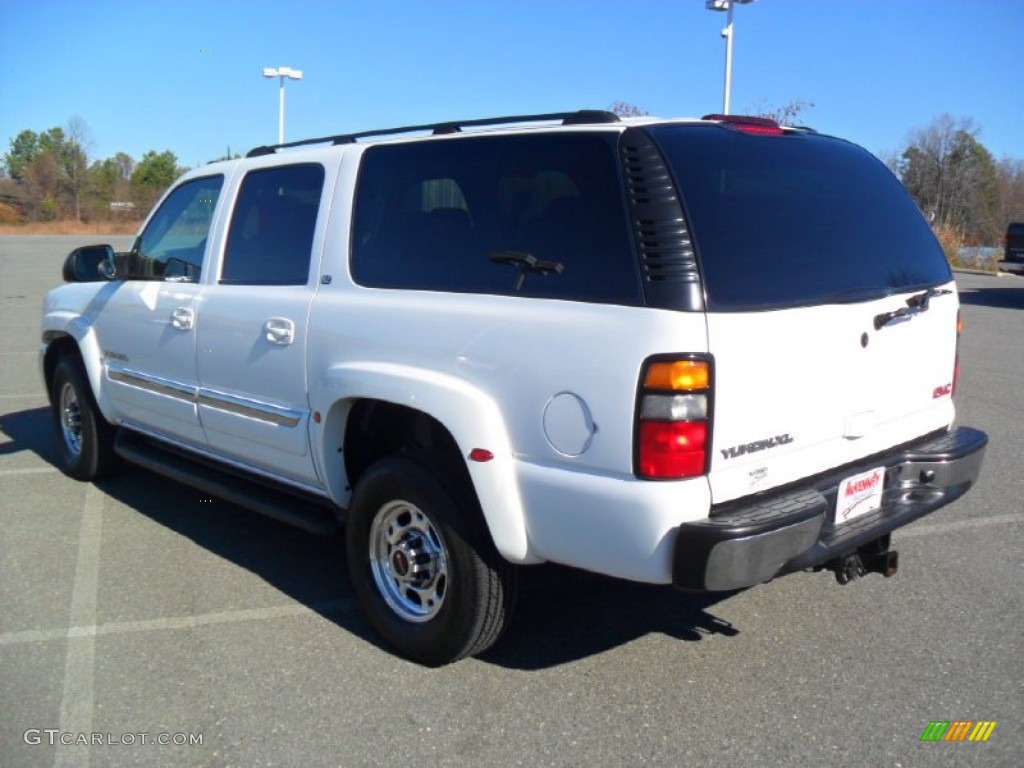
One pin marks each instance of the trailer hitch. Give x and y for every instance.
(873, 557)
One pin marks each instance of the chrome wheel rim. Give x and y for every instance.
(409, 561)
(70, 419)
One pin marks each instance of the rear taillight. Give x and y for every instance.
(673, 432)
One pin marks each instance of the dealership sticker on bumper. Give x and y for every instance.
(860, 494)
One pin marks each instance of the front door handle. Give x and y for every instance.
(183, 318)
(279, 330)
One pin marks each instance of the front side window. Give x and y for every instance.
(174, 241)
(529, 215)
(270, 241)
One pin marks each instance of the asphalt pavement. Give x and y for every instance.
(136, 611)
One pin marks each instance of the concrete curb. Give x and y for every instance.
(983, 272)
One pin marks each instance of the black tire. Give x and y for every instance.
(85, 440)
(424, 570)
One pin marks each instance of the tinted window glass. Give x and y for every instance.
(174, 241)
(270, 241)
(537, 215)
(797, 219)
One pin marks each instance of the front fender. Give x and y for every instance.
(469, 414)
(66, 325)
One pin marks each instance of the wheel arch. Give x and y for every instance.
(384, 409)
(79, 342)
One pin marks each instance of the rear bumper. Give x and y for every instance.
(755, 540)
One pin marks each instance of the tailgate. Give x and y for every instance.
(800, 391)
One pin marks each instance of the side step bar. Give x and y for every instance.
(293, 507)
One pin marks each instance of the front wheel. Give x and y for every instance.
(85, 440)
(423, 568)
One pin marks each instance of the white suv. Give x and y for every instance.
(699, 352)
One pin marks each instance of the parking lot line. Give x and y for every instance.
(28, 471)
(76, 706)
(178, 622)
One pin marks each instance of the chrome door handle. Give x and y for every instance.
(279, 330)
(183, 318)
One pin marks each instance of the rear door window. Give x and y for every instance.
(538, 215)
(798, 219)
(270, 241)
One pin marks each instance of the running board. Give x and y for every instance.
(279, 502)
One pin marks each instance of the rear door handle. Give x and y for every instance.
(279, 330)
(183, 318)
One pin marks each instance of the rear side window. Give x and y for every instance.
(270, 241)
(798, 219)
(539, 215)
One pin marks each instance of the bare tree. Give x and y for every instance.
(953, 178)
(1010, 186)
(787, 114)
(75, 160)
(625, 109)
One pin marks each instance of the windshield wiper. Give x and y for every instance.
(527, 262)
(916, 303)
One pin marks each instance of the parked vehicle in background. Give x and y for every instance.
(701, 352)
(1013, 249)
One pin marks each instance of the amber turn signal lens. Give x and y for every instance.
(678, 375)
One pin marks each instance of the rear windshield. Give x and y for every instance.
(798, 219)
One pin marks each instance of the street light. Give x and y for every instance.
(282, 73)
(726, 5)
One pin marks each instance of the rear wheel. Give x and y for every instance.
(85, 440)
(423, 568)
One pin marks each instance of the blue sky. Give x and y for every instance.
(186, 75)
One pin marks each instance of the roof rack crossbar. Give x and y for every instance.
(581, 117)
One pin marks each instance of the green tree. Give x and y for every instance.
(153, 174)
(953, 178)
(50, 169)
(24, 150)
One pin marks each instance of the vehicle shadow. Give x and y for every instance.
(563, 614)
(31, 431)
(308, 568)
(1011, 297)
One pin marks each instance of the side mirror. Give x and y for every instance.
(90, 264)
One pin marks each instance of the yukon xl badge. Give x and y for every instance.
(758, 445)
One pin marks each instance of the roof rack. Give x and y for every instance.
(580, 117)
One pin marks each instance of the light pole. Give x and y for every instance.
(726, 5)
(282, 73)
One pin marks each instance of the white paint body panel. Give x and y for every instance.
(804, 373)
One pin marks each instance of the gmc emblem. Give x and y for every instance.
(946, 389)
